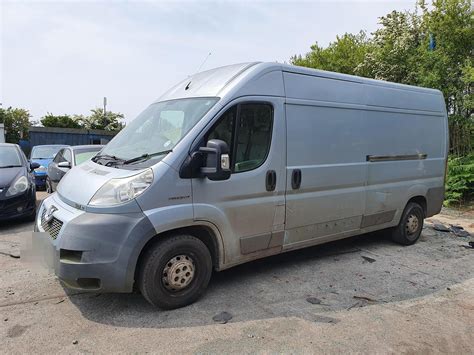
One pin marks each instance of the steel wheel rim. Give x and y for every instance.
(178, 273)
(412, 224)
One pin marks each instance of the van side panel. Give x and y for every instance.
(364, 149)
(419, 129)
(327, 142)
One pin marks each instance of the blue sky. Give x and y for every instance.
(65, 56)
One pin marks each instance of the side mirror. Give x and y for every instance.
(34, 165)
(64, 164)
(217, 160)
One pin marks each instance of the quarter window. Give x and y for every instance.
(59, 157)
(67, 155)
(247, 130)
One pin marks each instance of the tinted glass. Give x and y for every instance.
(9, 156)
(253, 136)
(224, 128)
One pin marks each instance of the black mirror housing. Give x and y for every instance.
(216, 162)
(34, 165)
(64, 164)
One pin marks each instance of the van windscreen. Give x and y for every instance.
(159, 128)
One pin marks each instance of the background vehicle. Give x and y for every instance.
(43, 155)
(66, 159)
(17, 186)
(242, 162)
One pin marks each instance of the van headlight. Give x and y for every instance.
(117, 191)
(19, 186)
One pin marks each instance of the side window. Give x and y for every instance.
(224, 129)
(249, 145)
(59, 157)
(254, 135)
(67, 155)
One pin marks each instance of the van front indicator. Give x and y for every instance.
(118, 191)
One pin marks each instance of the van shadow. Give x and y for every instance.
(353, 272)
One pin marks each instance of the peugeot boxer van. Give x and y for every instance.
(242, 162)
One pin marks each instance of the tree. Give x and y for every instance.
(392, 56)
(17, 122)
(449, 66)
(97, 120)
(344, 55)
(63, 121)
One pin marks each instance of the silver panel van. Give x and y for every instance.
(242, 162)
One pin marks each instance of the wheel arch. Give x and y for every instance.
(419, 199)
(205, 232)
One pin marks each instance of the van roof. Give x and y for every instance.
(211, 83)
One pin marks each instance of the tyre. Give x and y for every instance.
(48, 186)
(411, 223)
(175, 271)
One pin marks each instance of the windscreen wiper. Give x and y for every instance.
(96, 158)
(146, 156)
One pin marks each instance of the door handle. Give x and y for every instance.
(270, 180)
(296, 179)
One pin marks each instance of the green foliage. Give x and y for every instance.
(344, 55)
(62, 121)
(17, 122)
(97, 120)
(460, 180)
(111, 121)
(392, 55)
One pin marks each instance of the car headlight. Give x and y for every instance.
(19, 186)
(121, 190)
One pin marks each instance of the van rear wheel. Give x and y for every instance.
(175, 272)
(409, 229)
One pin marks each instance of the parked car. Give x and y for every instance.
(66, 159)
(242, 162)
(43, 155)
(17, 186)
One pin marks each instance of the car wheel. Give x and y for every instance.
(175, 271)
(411, 223)
(49, 187)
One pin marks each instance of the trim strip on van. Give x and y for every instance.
(377, 158)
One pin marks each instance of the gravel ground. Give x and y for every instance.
(363, 294)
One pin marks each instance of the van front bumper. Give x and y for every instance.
(92, 251)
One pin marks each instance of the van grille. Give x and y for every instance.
(53, 227)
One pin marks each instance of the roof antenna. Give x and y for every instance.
(207, 57)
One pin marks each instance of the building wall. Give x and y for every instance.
(69, 136)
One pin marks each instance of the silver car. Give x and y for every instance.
(66, 159)
(242, 162)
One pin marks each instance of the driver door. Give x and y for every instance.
(249, 207)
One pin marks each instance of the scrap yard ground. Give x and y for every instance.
(363, 294)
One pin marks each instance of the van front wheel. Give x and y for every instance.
(411, 224)
(175, 271)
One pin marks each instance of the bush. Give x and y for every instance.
(460, 180)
